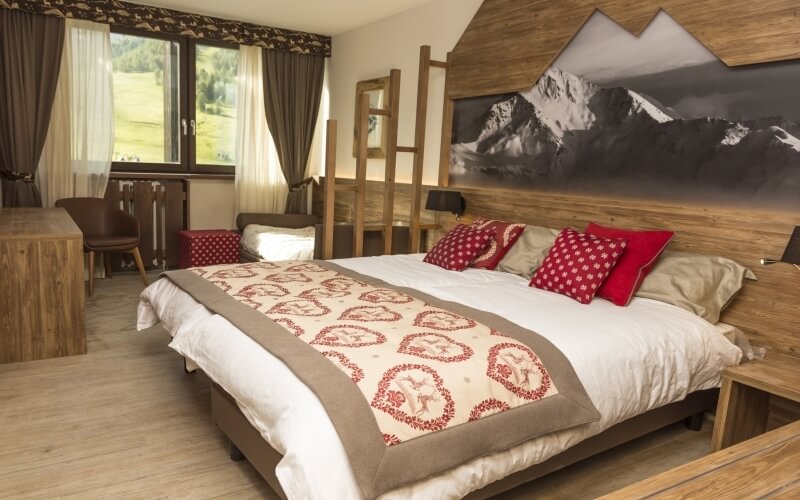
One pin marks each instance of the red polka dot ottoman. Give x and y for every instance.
(207, 247)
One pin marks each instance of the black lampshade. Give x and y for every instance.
(792, 253)
(446, 201)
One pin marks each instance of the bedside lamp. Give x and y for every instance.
(446, 201)
(792, 253)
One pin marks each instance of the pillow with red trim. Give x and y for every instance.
(505, 235)
(459, 247)
(641, 255)
(577, 264)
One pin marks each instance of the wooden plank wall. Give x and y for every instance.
(510, 43)
(160, 206)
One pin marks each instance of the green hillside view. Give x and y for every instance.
(139, 101)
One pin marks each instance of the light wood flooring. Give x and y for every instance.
(125, 421)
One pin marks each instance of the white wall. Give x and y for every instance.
(370, 52)
(211, 204)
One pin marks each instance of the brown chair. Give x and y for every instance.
(106, 229)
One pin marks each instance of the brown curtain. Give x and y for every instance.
(292, 92)
(30, 57)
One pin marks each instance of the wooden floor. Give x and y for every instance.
(125, 421)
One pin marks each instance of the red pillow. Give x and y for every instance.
(505, 234)
(458, 247)
(641, 255)
(577, 264)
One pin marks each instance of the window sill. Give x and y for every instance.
(166, 175)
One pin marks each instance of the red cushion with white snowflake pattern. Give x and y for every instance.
(505, 235)
(459, 247)
(577, 264)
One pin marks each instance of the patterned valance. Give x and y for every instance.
(160, 20)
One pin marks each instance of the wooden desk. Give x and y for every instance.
(744, 396)
(41, 285)
(765, 466)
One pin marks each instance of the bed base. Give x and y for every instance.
(247, 441)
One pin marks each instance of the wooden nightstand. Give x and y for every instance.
(744, 396)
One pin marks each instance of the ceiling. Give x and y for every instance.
(327, 17)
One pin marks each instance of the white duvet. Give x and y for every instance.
(630, 359)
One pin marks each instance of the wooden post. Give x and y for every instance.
(447, 130)
(419, 147)
(330, 191)
(391, 160)
(361, 176)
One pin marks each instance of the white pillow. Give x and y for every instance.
(279, 243)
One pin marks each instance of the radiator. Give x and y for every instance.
(161, 207)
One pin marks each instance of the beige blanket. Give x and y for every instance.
(413, 385)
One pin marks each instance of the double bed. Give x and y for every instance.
(642, 366)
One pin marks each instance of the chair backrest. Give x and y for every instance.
(90, 214)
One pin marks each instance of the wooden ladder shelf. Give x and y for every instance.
(391, 112)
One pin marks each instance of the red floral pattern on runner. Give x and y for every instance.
(323, 293)
(199, 271)
(443, 320)
(342, 283)
(519, 370)
(222, 284)
(365, 329)
(415, 395)
(288, 278)
(234, 273)
(390, 439)
(370, 314)
(347, 366)
(262, 290)
(348, 336)
(385, 295)
(308, 267)
(487, 407)
(290, 325)
(300, 308)
(435, 346)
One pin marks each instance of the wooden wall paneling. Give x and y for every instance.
(143, 209)
(510, 43)
(160, 201)
(174, 210)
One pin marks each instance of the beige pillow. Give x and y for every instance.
(702, 284)
(528, 251)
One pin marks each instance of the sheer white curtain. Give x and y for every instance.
(316, 158)
(260, 186)
(80, 141)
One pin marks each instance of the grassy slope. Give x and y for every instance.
(139, 120)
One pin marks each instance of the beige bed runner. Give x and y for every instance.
(413, 385)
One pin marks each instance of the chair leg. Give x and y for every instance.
(107, 262)
(91, 273)
(138, 258)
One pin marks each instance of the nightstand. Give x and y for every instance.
(744, 396)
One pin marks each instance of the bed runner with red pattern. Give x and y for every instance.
(413, 385)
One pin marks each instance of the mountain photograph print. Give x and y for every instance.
(654, 117)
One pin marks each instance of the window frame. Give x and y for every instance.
(187, 110)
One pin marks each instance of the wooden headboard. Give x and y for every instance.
(510, 43)
(768, 310)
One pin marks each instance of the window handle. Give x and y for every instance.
(194, 131)
(183, 125)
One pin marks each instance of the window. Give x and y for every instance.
(174, 103)
(215, 104)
